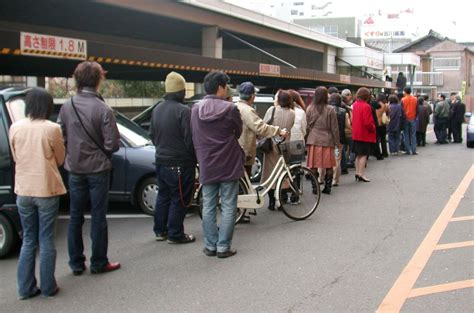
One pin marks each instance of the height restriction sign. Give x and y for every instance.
(53, 46)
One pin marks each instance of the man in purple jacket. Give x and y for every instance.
(216, 126)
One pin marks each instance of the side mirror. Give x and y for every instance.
(468, 114)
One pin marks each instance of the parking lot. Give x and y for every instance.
(346, 257)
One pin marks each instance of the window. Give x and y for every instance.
(294, 12)
(318, 28)
(301, 13)
(298, 3)
(446, 63)
(331, 30)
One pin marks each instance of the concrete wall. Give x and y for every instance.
(452, 78)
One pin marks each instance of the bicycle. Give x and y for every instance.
(298, 192)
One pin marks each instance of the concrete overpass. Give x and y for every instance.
(144, 40)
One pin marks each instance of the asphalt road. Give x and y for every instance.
(345, 258)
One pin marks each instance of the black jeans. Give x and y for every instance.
(382, 131)
(449, 125)
(82, 188)
(175, 191)
(420, 139)
(380, 148)
(457, 131)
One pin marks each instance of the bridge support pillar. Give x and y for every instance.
(329, 60)
(32, 81)
(211, 42)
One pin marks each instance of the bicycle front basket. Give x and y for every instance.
(293, 151)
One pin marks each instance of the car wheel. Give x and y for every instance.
(7, 236)
(146, 195)
(257, 168)
(470, 144)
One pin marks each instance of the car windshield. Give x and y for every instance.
(133, 134)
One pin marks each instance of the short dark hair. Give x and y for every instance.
(335, 99)
(39, 104)
(442, 96)
(420, 100)
(284, 99)
(363, 94)
(381, 97)
(393, 99)
(332, 90)
(407, 90)
(454, 93)
(213, 80)
(88, 74)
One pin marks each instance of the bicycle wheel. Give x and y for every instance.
(299, 199)
(238, 214)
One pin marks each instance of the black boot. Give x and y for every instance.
(315, 182)
(327, 184)
(271, 197)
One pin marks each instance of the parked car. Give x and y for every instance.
(261, 105)
(133, 178)
(469, 130)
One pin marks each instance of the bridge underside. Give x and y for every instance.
(136, 45)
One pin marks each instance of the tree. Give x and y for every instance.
(142, 89)
(65, 87)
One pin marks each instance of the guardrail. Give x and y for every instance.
(427, 78)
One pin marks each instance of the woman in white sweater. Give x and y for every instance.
(298, 131)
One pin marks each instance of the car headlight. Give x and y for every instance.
(470, 128)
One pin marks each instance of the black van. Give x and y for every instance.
(10, 227)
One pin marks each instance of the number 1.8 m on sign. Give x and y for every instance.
(53, 46)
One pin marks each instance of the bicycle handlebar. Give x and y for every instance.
(279, 139)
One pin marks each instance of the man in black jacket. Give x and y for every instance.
(170, 131)
(458, 109)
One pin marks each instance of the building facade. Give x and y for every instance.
(446, 66)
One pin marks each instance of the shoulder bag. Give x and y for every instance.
(265, 145)
(101, 148)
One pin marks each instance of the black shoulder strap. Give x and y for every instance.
(87, 133)
(271, 119)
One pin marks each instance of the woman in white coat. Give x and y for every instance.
(298, 131)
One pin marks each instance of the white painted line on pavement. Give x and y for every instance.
(110, 216)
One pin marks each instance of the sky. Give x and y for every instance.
(453, 18)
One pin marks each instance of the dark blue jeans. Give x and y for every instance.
(343, 158)
(82, 188)
(169, 209)
(440, 127)
(394, 141)
(350, 147)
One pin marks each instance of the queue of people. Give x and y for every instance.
(216, 134)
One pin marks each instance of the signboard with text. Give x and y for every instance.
(53, 46)
(269, 69)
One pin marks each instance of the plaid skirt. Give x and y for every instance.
(320, 157)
